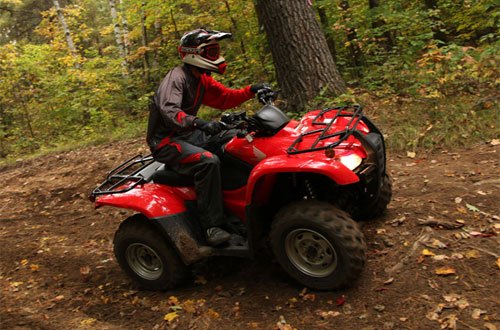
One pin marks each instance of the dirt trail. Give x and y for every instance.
(433, 259)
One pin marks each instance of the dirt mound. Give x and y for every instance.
(433, 258)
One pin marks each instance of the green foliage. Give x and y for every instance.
(431, 56)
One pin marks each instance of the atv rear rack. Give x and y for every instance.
(129, 171)
(355, 112)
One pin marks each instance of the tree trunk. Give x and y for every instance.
(144, 39)
(118, 36)
(304, 65)
(158, 42)
(432, 7)
(126, 41)
(328, 31)
(352, 37)
(234, 27)
(377, 23)
(177, 33)
(67, 32)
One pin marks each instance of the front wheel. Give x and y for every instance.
(318, 245)
(146, 256)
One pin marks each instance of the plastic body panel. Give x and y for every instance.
(151, 199)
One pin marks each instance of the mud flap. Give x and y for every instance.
(182, 237)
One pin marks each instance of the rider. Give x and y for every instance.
(187, 143)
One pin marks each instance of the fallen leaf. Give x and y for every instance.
(495, 142)
(498, 262)
(452, 297)
(58, 298)
(340, 300)
(472, 208)
(444, 271)
(85, 273)
(411, 154)
(472, 254)
(309, 297)
(490, 326)
(34, 267)
(458, 200)
(476, 313)
(24, 262)
(213, 314)
(389, 281)
(426, 252)
(172, 300)
(170, 316)
(87, 322)
(439, 257)
(449, 322)
(253, 325)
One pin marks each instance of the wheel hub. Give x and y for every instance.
(144, 261)
(310, 252)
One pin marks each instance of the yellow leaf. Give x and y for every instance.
(172, 301)
(170, 316)
(213, 314)
(24, 262)
(445, 271)
(472, 254)
(427, 252)
(34, 267)
(89, 321)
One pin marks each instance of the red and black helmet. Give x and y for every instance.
(201, 49)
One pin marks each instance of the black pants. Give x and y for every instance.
(196, 155)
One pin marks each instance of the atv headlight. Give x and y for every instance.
(351, 161)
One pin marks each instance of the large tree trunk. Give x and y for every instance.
(303, 62)
(67, 32)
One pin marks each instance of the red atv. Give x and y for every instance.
(298, 184)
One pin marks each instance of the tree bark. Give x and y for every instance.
(432, 7)
(126, 41)
(303, 62)
(377, 23)
(352, 37)
(67, 32)
(144, 39)
(118, 36)
(323, 18)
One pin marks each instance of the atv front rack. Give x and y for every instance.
(354, 112)
(119, 178)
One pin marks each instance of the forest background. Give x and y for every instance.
(75, 72)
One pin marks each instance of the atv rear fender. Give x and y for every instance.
(316, 163)
(152, 200)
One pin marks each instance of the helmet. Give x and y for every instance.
(200, 48)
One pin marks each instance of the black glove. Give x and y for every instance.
(210, 127)
(258, 87)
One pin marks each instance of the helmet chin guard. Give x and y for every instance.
(200, 48)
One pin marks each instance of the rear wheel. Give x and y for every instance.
(318, 245)
(146, 256)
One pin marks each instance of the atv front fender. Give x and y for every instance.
(151, 199)
(314, 163)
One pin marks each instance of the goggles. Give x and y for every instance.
(211, 52)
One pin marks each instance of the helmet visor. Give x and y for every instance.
(211, 52)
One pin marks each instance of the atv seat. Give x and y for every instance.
(167, 176)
